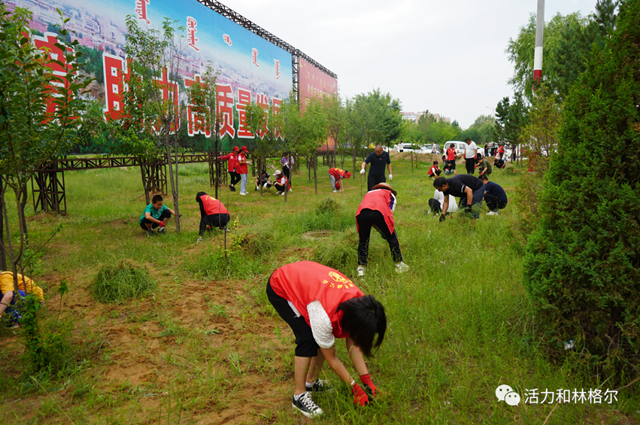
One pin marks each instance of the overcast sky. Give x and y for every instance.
(444, 56)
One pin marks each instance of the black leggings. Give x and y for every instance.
(368, 219)
(214, 220)
(374, 180)
(493, 203)
(235, 178)
(144, 222)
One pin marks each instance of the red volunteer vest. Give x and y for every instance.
(304, 282)
(241, 168)
(338, 173)
(232, 161)
(451, 154)
(378, 200)
(212, 206)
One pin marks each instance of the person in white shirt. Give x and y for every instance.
(435, 203)
(470, 155)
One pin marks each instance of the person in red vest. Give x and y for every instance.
(451, 158)
(336, 175)
(212, 213)
(242, 169)
(231, 167)
(376, 210)
(434, 171)
(321, 304)
(281, 184)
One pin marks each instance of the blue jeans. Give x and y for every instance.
(243, 184)
(476, 202)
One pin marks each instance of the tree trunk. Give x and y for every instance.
(23, 203)
(144, 181)
(3, 255)
(315, 173)
(173, 186)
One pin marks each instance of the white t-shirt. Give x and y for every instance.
(439, 196)
(320, 323)
(471, 150)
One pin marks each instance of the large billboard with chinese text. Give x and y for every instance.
(313, 82)
(251, 69)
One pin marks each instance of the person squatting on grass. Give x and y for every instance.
(232, 159)
(376, 210)
(435, 170)
(321, 304)
(264, 180)
(243, 170)
(212, 213)
(10, 303)
(378, 159)
(494, 196)
(468, 188)
(281, 184)
(336, 175)
(435, 203)
(484, 166)
(156, 215)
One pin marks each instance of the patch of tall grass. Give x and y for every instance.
(120, 281)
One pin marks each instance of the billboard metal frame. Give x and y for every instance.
(232, 15)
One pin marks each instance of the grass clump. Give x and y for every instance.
(327, 206)
(117, 282)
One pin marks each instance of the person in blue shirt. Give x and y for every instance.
(494, 196)
(155, 215)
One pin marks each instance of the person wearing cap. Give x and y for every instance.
(282, 183)
(468, 188)
(336, 175)
(483, 165)
(212, 213)
(231, 167)
(376, 210)
(378, 159)
(243, 170)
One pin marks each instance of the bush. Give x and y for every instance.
(582, 267)
(118, 282)
(327, 206)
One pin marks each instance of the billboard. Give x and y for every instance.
(314, 82)
(251, 68)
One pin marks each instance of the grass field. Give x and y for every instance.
(206, 347)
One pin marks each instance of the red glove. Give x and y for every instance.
(359, 396)
(161, 223)
(368, 385)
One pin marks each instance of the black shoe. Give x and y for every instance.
(305, 405)
(233, 189)
(319, 386)
(150, 233)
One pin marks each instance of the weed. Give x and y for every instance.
(117, 282)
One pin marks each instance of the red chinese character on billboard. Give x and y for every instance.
(244, 98)
(277, 107)
(60, 70)
(227, 39)
(141, 10)
(263, 101)
(225, 110)
(254, 57)
(169, 91)
(113, 67)
(277, 61)
(191, 33)
(197, 121)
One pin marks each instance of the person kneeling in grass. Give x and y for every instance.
(376, 210)
(468, 188)
(281, 184)
(212, 213)
(9, 302)
(264, 180)
(494, 196)
(156, 215)
(321, 304)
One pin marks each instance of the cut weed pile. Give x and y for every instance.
(184, 333)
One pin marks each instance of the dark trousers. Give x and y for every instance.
(470, 163)
(144, 222)
(214, 220)
(285, 171)
(374, 180)
(235, 178)
(368, 219)
(493, 203)
(435, 206)
(452, 164)
(306, 345)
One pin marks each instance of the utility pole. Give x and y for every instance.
(537, 60)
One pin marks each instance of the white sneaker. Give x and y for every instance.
(162, 231)
(279, 192)
(282, 194)
(243, 193)
(492, 213)
(290, 190)
(361, 271)
(305, 405)
(401, 267)
(334, 191)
